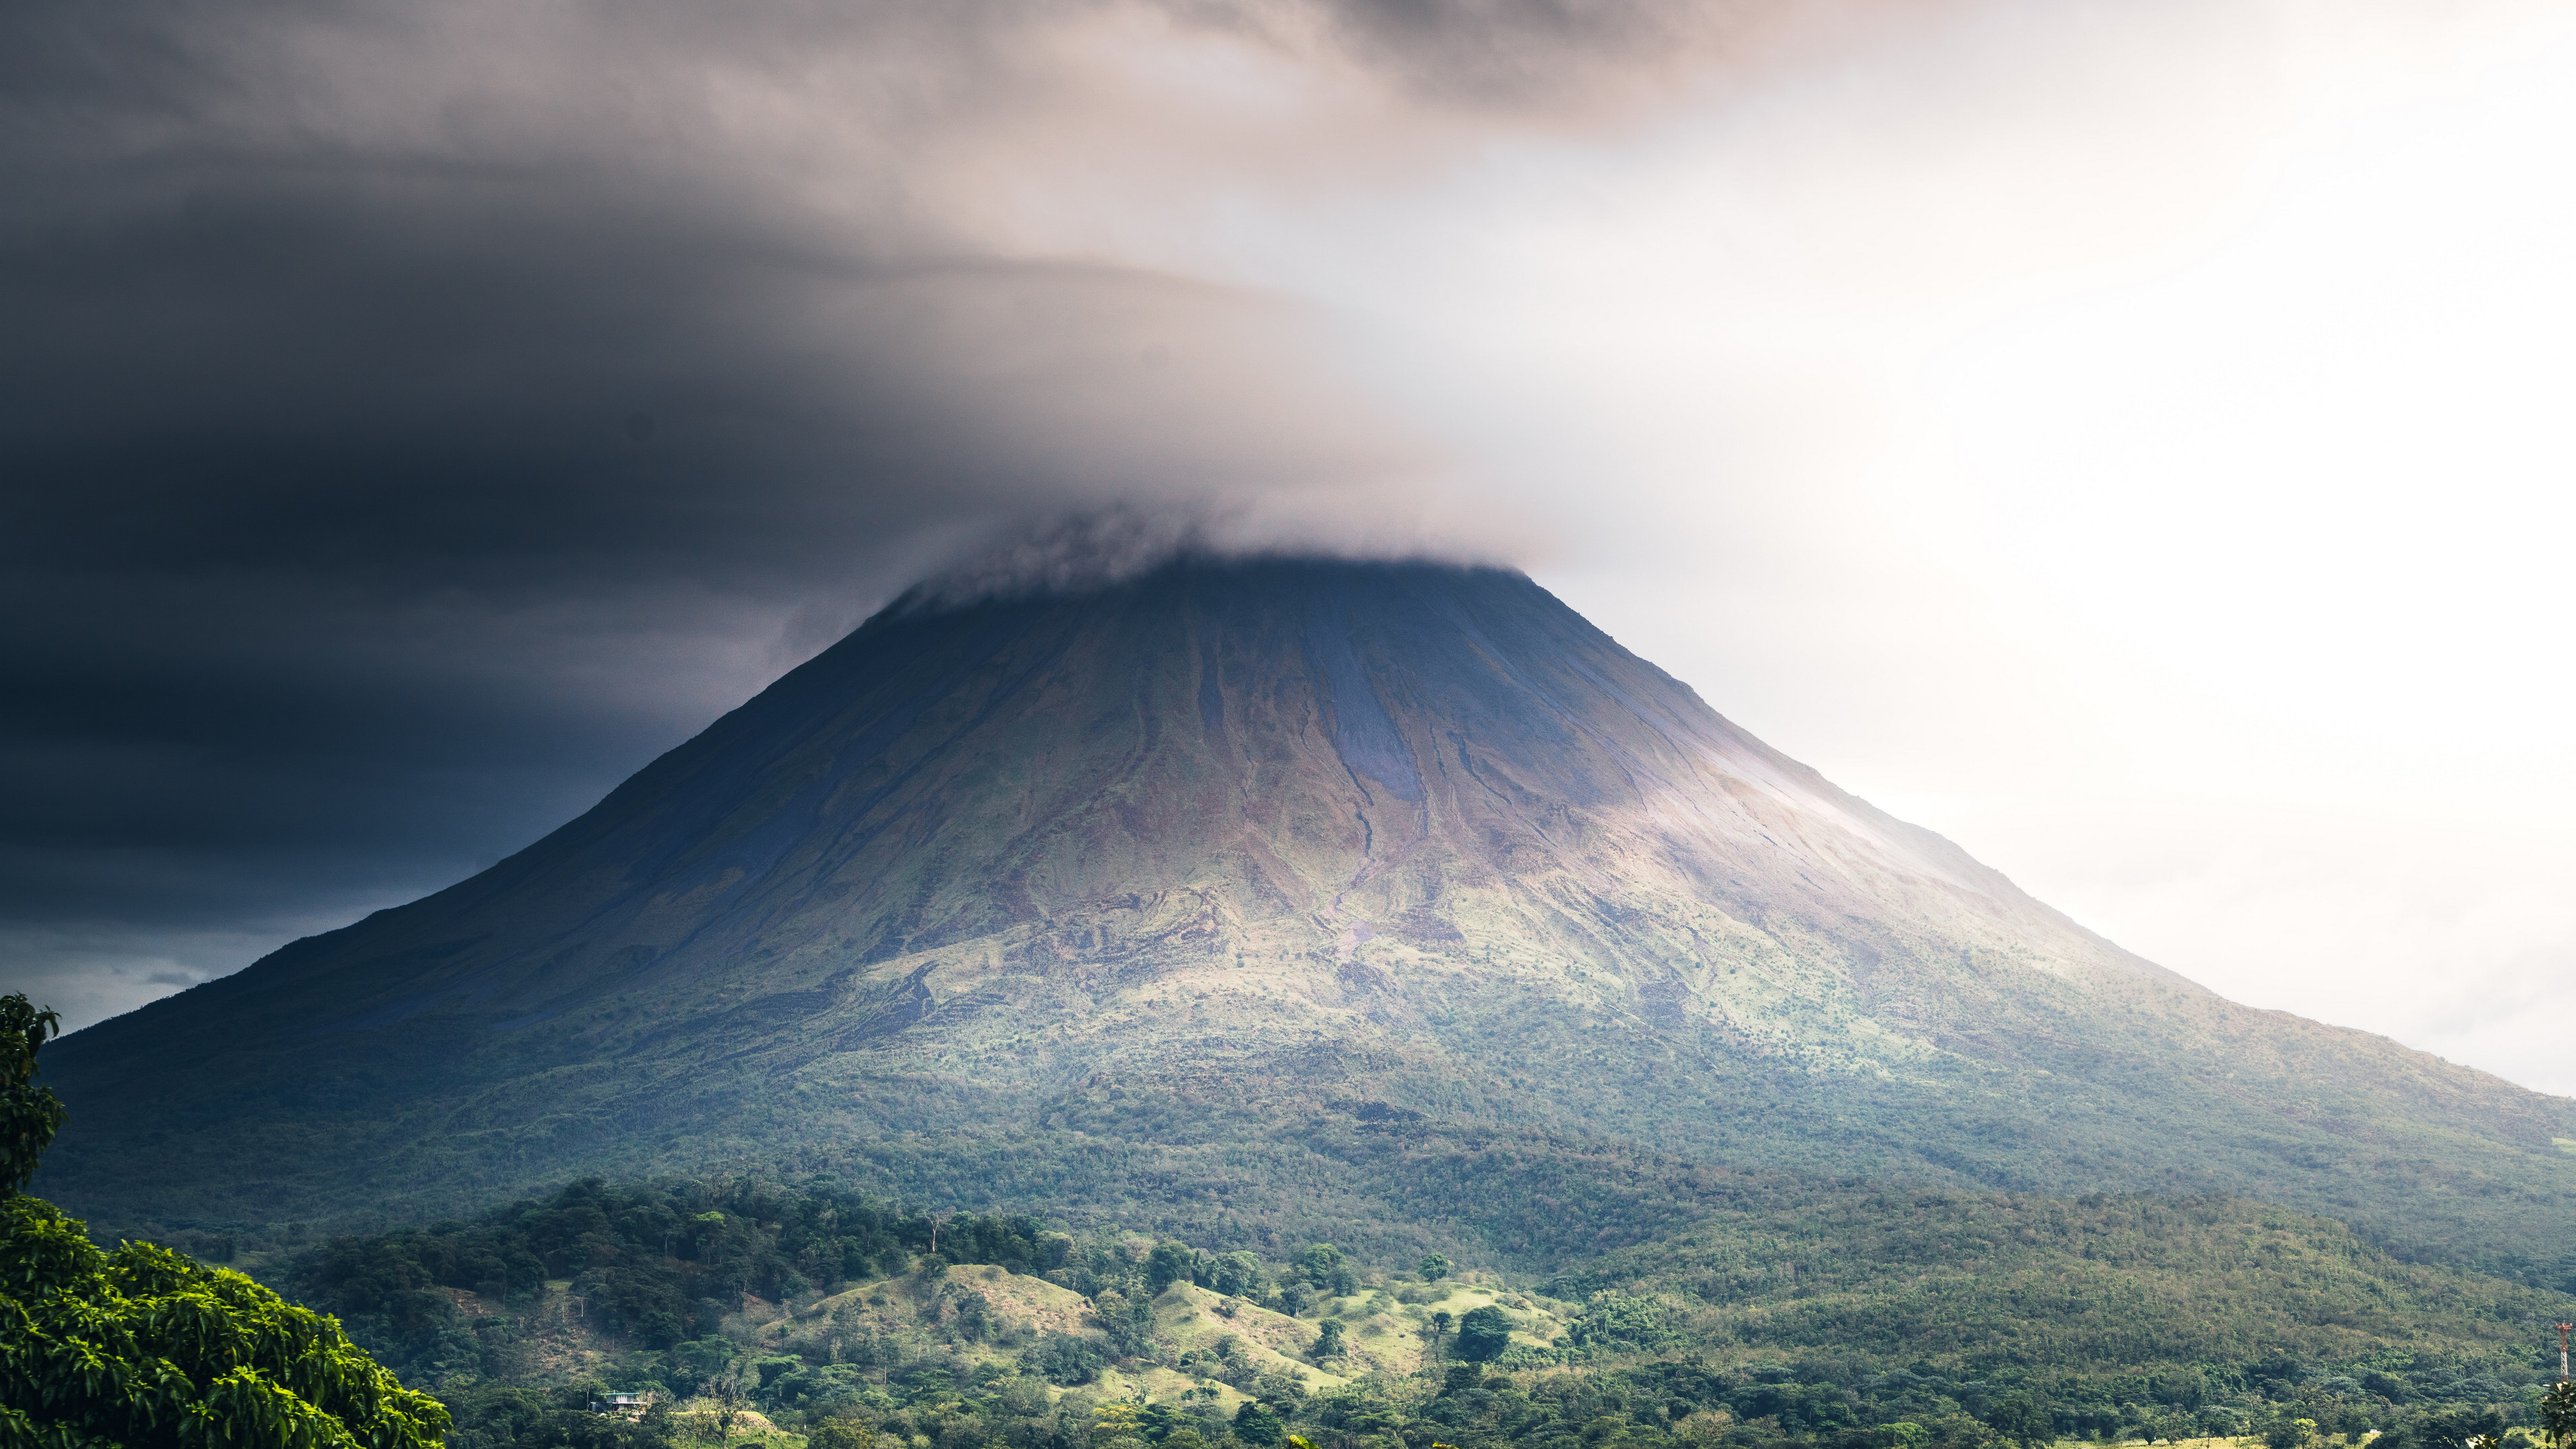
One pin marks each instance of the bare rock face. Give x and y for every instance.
(1193, 862)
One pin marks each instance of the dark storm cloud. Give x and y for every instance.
(1544, 54)
(416, 417)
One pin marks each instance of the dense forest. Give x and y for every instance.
(1790, 1314)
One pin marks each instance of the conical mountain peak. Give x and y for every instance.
(1217, 846)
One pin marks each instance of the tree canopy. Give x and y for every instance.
(1483, 1333)
(29, 1115)
(144, 1348)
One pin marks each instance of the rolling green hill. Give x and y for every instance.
(1802, 1313)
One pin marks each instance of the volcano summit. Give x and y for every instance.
(1254, 889)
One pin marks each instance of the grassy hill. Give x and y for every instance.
(1803, 1313)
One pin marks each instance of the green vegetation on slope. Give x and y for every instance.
(2092, 1302)
(1090, 901)
(1796, 1314)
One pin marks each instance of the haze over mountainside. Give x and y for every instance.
(1290, 891)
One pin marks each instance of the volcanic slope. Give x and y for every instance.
(1187, 893)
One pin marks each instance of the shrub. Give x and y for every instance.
(1064, 1358)
(1256, 1424)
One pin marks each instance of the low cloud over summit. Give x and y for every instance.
(418, 419)
(2122, 436)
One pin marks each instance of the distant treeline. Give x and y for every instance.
(1836, 1318)
(655, 1262)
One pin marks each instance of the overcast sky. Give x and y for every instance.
(2128, 439)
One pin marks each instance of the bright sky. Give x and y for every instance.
(2151, 469)
(2131, 440)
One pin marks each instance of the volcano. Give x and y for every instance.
(1198, 891)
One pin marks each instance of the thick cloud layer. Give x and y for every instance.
(2076, 425)
(420, 416)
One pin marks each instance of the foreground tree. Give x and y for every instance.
(1256, 1425)
(1483, 1334)
(841, 1432)
(144, 1348)
(1328, 1342)
(1169, 1263)
(2022, 1420)
(2558, 1414)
